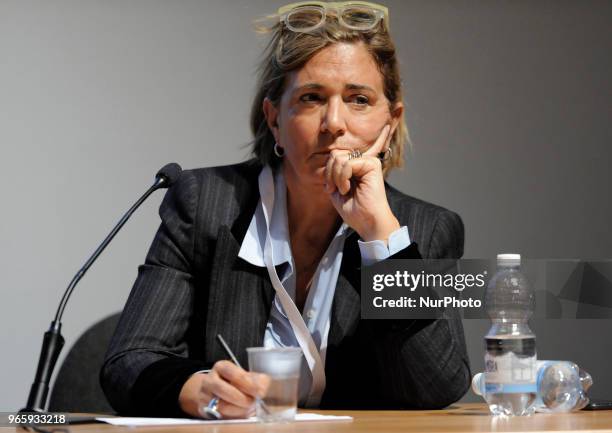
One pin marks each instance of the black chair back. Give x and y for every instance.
(77, 386)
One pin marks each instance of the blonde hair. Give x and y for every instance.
(288, 51)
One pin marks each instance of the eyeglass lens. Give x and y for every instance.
(359, 17)
(307, 17)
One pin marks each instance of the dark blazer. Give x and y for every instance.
(194, 286)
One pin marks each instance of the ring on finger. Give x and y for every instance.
(210, 411)
(355, 154)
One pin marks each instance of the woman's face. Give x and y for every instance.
(335, 101)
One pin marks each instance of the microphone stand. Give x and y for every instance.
(53, 340)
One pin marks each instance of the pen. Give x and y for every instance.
(229, 353)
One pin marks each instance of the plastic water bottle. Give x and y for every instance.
(561, 387)
(510, 358)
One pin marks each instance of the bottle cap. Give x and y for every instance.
(508, 260)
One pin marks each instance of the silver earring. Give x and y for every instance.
(279, 151)
(386, 155)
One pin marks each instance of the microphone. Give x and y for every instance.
(167, 175)
(53, 340)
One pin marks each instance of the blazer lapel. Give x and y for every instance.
(240, 294)
(346, 307)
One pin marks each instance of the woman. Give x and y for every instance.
(268, 252)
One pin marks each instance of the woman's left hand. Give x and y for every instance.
(357, 190)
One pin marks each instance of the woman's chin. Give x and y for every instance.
(312, 174)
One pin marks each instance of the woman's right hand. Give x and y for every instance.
(235, 388)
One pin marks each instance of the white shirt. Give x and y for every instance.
(317, 308)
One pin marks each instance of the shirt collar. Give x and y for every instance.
(252, 248)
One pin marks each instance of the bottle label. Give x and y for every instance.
(510, 365)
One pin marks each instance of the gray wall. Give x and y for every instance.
(508, 105)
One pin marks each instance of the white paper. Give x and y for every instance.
(142, 422)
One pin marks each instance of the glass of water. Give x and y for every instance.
(283, 366)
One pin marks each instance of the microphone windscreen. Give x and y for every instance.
(170, 172)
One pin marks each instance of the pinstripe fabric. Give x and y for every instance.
(193, 285)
